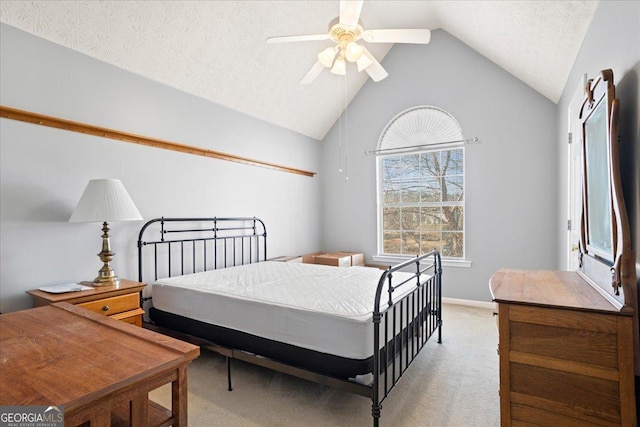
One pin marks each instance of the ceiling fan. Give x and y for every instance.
(346, 32)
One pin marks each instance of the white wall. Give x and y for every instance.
(45, 170)
(511, 177)
(612, 41)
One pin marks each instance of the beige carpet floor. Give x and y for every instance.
(450, 384)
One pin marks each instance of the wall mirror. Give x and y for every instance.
(605, 260)
(598, 209)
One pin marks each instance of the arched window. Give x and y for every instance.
(421, 184)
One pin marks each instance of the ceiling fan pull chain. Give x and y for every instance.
(346, 129)
(339, 131)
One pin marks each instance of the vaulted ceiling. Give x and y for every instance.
(217, 50)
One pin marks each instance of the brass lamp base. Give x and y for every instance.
(106, 281)
(106, 275)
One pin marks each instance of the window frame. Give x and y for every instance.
(380, 206)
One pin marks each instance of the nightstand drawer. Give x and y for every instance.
(113, 305)
(134, 316)
(120, 303)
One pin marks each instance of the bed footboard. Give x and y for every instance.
(403, 325)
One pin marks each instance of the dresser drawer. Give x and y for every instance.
(113, 305)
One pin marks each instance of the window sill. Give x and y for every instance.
(387, 259)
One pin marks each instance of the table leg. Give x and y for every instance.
(179, 397)
(140, 411)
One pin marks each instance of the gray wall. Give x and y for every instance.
(511, 177)
(45, 170)
(612, 41)
(515, 179)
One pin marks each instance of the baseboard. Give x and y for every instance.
(470, 303)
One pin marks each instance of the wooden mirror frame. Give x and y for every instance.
(614, 274)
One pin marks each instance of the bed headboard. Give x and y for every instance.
(176, 246)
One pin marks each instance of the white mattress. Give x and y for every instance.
(321, 308)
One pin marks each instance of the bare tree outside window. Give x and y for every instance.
(423, 203)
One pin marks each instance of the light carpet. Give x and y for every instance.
(450, 384)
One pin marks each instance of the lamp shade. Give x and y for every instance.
(339, 67)
(105, 200)
(353, 52)
(327, 56)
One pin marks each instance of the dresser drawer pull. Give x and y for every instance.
(105, 308)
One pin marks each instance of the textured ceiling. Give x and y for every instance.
(216, 49)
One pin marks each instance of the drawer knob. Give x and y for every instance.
(105, 308)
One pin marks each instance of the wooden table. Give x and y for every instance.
(99, 369)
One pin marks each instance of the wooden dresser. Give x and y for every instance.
(566, 353)
(118, 302)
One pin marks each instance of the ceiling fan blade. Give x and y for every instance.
(302, 38)
(312, 73)
(397, 36)
(350, 12)
(375, 70)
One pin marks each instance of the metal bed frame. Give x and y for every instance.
(202, 244)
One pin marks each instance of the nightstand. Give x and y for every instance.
(120, 303)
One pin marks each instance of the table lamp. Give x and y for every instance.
(105, 200)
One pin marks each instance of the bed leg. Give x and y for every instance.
(440, 331)
(229, 373)
(375, 412)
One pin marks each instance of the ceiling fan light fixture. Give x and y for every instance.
(339, 67)
(353, 52)
(327, 56)
(345, 31)
(363, 62)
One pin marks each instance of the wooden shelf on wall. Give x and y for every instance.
(54, 122)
